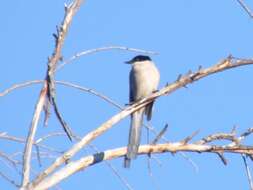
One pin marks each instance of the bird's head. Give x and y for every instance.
(139, 58)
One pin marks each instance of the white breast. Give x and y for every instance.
(145, 77)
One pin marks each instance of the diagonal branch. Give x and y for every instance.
(245, 7)
(247, 171)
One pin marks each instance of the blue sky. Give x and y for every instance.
(185, 33)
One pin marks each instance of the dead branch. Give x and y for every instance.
(247, 171)
(48, 90)
(5, 136)
(91, 51)
(9, 159)
(9, 180)
(245, 8)
(181, 146)
(31, 135)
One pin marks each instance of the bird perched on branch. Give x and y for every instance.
(143, 81)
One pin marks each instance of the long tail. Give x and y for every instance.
(148, 110)
(134, 136)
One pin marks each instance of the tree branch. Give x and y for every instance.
(245, 8)
(91, 51)
(87, 161)
(48, 87)
(31, 135)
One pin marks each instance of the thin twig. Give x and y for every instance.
(218, 136)
(9, 159)
(107, 48)
(114, 170)
(245, 134)
(41, 139)
(59, 116)
(100, 95)
(190, 137)
(151, 173)
(192, 163)
(247, 171)
(223, 159)
(21, 140)
(245, 7)
(161, 133)
(9, 180)
(21, 85)
(38, 155)
(69, 84)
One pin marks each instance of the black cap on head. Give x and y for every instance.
(139, 58)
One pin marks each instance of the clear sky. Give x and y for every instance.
(185, 33)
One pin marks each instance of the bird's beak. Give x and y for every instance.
(128, 62)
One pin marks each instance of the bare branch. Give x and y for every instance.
(9, 159)
(189, 138)
(9, 180)
(193, 164)
(31, 135)
(21, 85)
(245, 7)
(218, 136)
(245, 134)
(4, 135)
(86, 161)
(48, 89)
(223, 159)
(100, 95)
(49, 136)
(70, 11)
(247, 171)
(85, 89)
(121, 178)
(96, 50)
(159, 136)
(56, 56)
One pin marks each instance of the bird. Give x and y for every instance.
(144, 79)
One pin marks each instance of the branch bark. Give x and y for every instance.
(87, 161)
